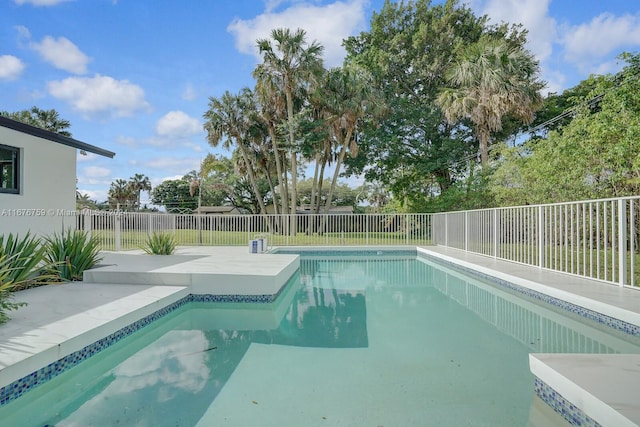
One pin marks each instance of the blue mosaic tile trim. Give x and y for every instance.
(22, 385)
(562, 406)
(603, 319)
(346, 252)
(261, 299)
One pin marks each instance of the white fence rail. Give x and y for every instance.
(594, 238)
(129, 230)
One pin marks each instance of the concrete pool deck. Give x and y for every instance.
(61, 319)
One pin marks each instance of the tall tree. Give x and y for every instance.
(174, 194)
(289, 64)
(348, 95)
(272, 111)
(231, 118)
(44, 119)
(121, 195)
(407, 50)
(139, 183)
(490, 79)
(595, 155)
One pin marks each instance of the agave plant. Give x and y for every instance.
(160, 244)
(6, 287)
(23, 259)
(70, 253)
(21, 265)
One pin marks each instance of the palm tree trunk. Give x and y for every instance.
(252, 179)
(276, 153)
(314, 185)
(336, 173)
(294, 162)
(483, 136)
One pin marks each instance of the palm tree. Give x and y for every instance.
(348, 96)
(287, 66)
(233, 117)
(490, 79)
(44, 119)
(272, 111)
(83, 201)
(121, 194)
(139, 183)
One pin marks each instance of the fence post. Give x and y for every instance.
(540, 237)
(446, 229)
(406, 226)
(87, 222)
(466, 232)
(622, 242)
(117, 234)
(495, 233)
(366, 229)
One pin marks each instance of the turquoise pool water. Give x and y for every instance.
(353, 340)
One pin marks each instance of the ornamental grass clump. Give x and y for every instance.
(160, 244)
(70, 253)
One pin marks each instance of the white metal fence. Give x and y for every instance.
(594, 238)
(128, 230)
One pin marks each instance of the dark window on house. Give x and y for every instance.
(9, 165)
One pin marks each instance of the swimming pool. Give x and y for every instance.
(355, 339)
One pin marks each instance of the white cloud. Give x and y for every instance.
(10, 67)
(156, 181)
(23, 32)
(96, 172)
(587, 43)
(328, 25)
(62, 53)
(174, 165)
(100, 94)
(126, 140)
(177, 124)
(189, 93)
(40, 2)
(86, 157)
(195, 147)
(533, 15)
(157, 141)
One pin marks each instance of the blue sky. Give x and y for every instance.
(135, 76)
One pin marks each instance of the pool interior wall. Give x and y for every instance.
(19, 387)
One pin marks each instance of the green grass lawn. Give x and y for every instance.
(190, 237)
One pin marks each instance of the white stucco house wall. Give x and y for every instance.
(38, 178)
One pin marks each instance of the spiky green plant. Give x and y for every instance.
(160, 244)
(70, 253)
(7, 286)
(25, 256)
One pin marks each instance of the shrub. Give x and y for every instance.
(70, 253)
(160, 244)
(20, 263)
(24, 258)
(6, 287)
